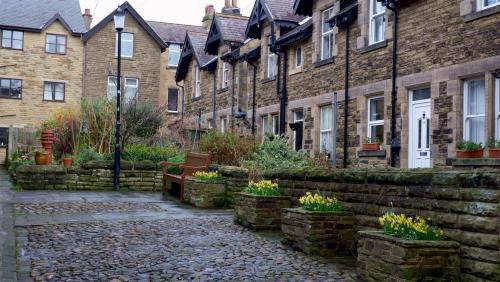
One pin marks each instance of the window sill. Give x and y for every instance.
(267, 80)
(171, 67)
(473, 162)
(295, 71)
(126, 58)
(222, 90)
(13, 49)
(173, 112)
(481, 14)
(195, 99)
(372, 154)
(373, 47)
(53, 101)
(323, 62)
(10, 98)
(50, 53)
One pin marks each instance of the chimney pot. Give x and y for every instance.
(87, 12)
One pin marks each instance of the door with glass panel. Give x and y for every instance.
(298, 117)
(419, 146)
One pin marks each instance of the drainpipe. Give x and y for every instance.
(395, 146)
(214, 102)
(283, 96)
(182, 104)
(346, 95)
(254, 67)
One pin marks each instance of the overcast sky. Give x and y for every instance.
(174, 11)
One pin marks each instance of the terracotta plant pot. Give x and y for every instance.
(41, 158)
(67, 162)
(494, 153)
(474, 154)
(370, 147)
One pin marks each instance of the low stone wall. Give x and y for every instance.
(203, 194)
(96, 175)
(464, 203)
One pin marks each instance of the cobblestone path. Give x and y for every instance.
(135, 237)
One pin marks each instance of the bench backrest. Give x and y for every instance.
(197, 159)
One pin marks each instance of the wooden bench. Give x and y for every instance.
(194, 162)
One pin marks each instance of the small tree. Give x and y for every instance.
(140, 120)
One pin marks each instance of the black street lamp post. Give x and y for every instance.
(119, 18)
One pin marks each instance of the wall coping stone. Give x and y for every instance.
(409, 243)
(126, 165)
(233, 171)
(53, 169)
(371, 154)
(248, 195)
(318, 213)
(475, 162)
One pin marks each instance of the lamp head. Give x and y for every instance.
(119, 18)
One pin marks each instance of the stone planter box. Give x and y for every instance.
(202, 194)
(259, 212)
(327, 234)
(386, 258)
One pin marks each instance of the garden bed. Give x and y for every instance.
(259, 212)
(386, 258)
(328, 234)
(204, 194)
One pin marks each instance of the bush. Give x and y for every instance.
(85, 155)
(19, 159)
(408, 228)
(277, 154)
(226, 148)
(155, 154)
(263, 188)
(171, 169)
(320, 203)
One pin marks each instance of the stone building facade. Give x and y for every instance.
(447, 85)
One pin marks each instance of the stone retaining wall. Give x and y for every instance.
(96, 175)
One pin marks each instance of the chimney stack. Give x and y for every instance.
(231, 7)
(87, 18)
(209, 16)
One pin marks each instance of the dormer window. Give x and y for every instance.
(55, 44)
(485, 4)
(12, 39)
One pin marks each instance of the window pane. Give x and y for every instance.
(326, 145)
(476, 128)
(59, 91)
(377, 7)
(61, 40)
(378, 28)
(6, 38)
(61, 48)
(17, 35)
(476, 98)
(421, 94)
(5, 87)
(326, 16)
(327, 43)
(174, 54)
(47, 91)
(326, 118)
(298, 116)
(298, 57)
(16, 88)
(51, 39)
(377, 133)
(111, 87)
(276, 126)
(130, 89)
(377, 109)
(51, 48)
(173, 100)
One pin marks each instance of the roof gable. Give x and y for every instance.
(128, 8)
(225, 28)
(194, 46)
(36, 15)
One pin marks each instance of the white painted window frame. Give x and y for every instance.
(298, 54)
(124, 41)
(467, 117)
(497, 109)
(295, 120)
(326, 34)
(172, 51)
(375, 122)
(168, 101)
(222, 124)
(372, 26)
(481, 6)
(225, 75)
(197, 82)
(325, 131)
(265, 126)
(272, 67)
(126, 86)
(275, 124)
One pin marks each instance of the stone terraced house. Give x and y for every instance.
(41, 61)
(297, 53)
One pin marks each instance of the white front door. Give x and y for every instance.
(420, 127)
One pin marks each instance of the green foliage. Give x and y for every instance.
(140, 120)
(19, 159)
(277, 154)
(469, 146)
(85, 155)
(171, 169)
(492, 143)
(402, 226)
(317, 202)
(98, 122)
(156, 154)
(207, 176)
(263, 188)
(226, 148)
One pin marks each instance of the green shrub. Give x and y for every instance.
(19, 159)
(156, 154)
(85, 155)
(171, 169)
(469, 146)
(263, 188)
(277, 154)
(226, 148)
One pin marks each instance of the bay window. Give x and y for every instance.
(377, 22)
(376, 119)
(326, 129)
(326, 34)
(475, 111)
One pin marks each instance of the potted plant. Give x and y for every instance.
(41, 157)
(67, 160)
(371, 144)
(259, 206)
(469, 150)
(321, 226)
(494, 149)
(410, 248)
(205, 190)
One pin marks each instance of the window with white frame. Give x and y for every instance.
(223, 124)
(127, 45)
(272, 63)
(225, 75)
(326, 129)
(276, 124)
(376, 119)
(326, 34)
(53, 91)
(173, 100)
(265, 127)
(485, 4)
(377, 22)
(298, 57)
(197, 82)
(130, 87)
(497, 109)
(111, 87)
(475, 111)
(174, 55)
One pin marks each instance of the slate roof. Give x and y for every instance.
(174, 33)
(232, 27)
(198, 40)
(36, 15)
(282, 10)
(297, 34)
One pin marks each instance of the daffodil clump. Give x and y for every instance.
(263, 188)
(317, 202)
(402, 226)
(208, 176)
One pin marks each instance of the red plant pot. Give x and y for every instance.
(67, 162)
(474, 154)
(494, 153)
(370, 147)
